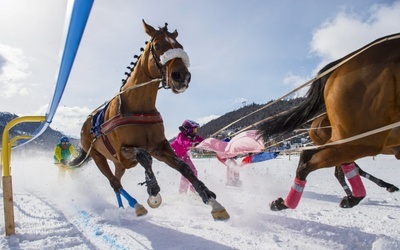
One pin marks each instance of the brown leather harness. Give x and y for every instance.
(123, 120)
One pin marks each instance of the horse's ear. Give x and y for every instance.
(174, 34)
(149, 29)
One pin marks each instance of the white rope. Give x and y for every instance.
(353, 138)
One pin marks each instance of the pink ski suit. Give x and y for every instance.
(181, 146)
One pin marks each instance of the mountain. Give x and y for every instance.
(215, 125)
(45, 141)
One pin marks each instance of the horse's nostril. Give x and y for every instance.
(176, 76)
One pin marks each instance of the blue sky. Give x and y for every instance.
(240, 51)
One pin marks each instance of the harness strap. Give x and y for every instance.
(130, 119)
(109, 146)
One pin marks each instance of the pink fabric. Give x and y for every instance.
(294, 196)
(243, 143)
(182, 144)
(357, 186)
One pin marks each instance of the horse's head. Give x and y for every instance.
(168, 58)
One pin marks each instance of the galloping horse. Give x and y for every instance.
(361, 96)
(320, 132)
(129, 129)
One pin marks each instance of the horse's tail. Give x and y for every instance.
(292, 119)
(82, 159)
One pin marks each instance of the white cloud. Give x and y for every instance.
(347, 32)
(14, 70)
(68, 120)
(295, 81)
(206, 119)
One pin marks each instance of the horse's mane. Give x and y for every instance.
(132, 64)
(164, 29)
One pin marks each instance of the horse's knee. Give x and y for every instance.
(119, 172)
(143, 157)
(339, 173)
(303, 168)
(130, 156)
(116, 185)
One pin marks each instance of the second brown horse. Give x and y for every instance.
(360, 94)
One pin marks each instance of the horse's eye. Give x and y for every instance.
(157, 46)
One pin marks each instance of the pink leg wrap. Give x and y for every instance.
(294, 196)
(354, 179)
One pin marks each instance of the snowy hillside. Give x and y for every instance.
(80, 211)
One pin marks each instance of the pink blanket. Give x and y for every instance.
(243, 143)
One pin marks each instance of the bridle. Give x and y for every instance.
(159, 66)
(165, 58)
(159, 61)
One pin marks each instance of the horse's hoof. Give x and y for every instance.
(140, 210)
(350, 201)
(218, 212)
(221, 215)
(392, 189)
(278, 205)
(154, 201)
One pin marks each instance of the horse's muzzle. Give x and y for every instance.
(179, 81)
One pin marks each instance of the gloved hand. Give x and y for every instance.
(63, 161)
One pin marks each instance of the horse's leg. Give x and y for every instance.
(119, 172)
(101, 163)
(144, 158)
(115, 182)
(165, 154)
(139, 209)
(296, 191)
(389, 187)
(311, 160)
(351, 172)
(340, 177)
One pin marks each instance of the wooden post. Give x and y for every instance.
(8, 206)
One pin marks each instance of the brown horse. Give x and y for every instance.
(361, 96)
(320, 132)
(129, 129)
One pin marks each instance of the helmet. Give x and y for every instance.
(189, 128)
(64, 139)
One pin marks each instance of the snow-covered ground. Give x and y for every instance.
(80, 211)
